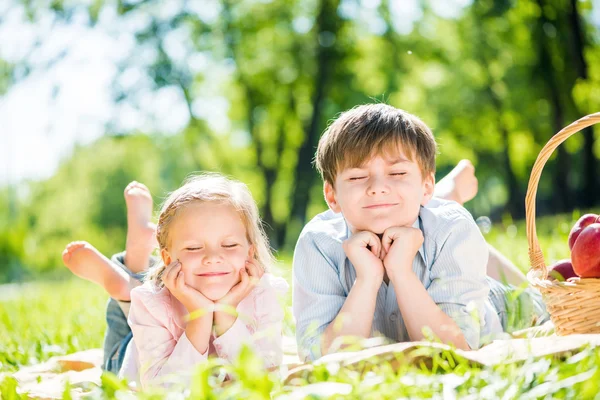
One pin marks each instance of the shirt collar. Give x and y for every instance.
(419, 225)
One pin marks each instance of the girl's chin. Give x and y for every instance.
(214, 294)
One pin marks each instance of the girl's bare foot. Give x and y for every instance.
(85, 261)
(141, 232)
(460, 184)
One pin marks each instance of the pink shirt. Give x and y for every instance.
(157, 320)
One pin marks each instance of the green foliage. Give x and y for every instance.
(8, 389)
(510, 239)
(41, 320)
(494, 80)
(111, 385)
(84, 199)
(12, 237)
(63, 317)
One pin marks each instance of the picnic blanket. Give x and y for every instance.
(82, 370)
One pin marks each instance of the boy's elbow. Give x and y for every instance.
(458, 339)
(463, 345)
(460, 342)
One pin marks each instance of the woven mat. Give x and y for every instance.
(82, 369)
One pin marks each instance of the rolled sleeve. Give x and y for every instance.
(269, 316)
(184, 353)
(458, 279)
(317, 295)
(160, 352)
(228, 345)
(262, 331)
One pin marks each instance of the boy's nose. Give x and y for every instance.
(378, 186)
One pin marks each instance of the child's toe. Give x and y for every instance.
(66, 256)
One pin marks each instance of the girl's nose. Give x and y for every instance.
(212, 257)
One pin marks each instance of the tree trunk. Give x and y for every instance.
(328, 22)
(269, 173)
(516, 206)
(590, 164)
(515, 203)
(393, 70)
(564, 195)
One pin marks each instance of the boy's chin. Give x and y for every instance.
(376, 229)
(379, 228)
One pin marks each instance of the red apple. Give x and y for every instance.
(561, 270)
(586, 252)
(579, 226)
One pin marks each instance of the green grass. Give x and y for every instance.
(511, 240)
(39, 320)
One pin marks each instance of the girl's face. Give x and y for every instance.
(209, 239)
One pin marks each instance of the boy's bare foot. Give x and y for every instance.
(85, 261)
(460, 184)
(141, 232)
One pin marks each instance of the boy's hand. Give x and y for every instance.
(191, 298)
(400, 245)
(363, 249)
(249, 277)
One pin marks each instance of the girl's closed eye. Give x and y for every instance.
(398, 173)
(193, 248)
(230, 245)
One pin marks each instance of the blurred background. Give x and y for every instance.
(97, 93)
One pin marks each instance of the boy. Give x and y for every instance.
(378, 260)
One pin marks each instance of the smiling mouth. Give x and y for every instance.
(377, 206)
(212, 274)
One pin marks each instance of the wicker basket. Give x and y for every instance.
(574, 305)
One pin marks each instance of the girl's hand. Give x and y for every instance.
(249, 277)
(191, 298)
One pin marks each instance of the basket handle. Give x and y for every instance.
(536, 257)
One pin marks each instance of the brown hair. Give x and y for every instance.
(212, 187)
(366, 130)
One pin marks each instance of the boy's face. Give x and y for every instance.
(386, 191)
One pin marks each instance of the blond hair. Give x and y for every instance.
(363, 131)
(212, 187)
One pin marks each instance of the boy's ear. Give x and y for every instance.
(166, 257)
(330, 197)
(429, 186)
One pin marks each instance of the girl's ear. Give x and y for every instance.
(251, 252)
(166, 257)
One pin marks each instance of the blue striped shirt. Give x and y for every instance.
(451, 264)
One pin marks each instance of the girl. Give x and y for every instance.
(208, 294)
